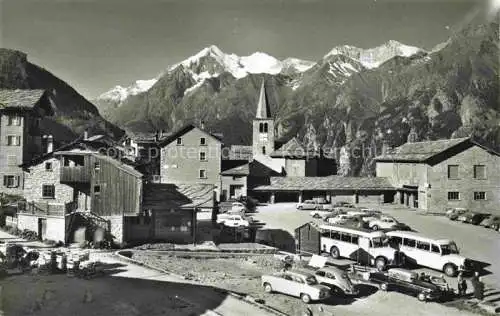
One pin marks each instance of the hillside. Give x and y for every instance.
(73, 113)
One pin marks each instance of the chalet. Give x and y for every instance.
(436, 175)
(20, 135)
(234, 178)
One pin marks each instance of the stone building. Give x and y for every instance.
(20, 136)
(437, 175)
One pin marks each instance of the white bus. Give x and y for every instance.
(358, 244)
(438, 254)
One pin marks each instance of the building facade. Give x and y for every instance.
(438, 175)
(20, 135)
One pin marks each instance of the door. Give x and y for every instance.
(235, 191)
(42, 228)
(409, 250)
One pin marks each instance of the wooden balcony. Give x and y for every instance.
(51, 209)
(78, 174)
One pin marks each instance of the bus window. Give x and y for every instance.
(345, 237)
(335, 235)
(354, 239)
(409, 242)
(423, 245)
(435, 248)
(395, 240)
(325, 234)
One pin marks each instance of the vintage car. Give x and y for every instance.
(296, 283)
(347, 220)
(473, 218)
(387, 223)
(492, 222)
(344, 204)
(234, 220)
(309, 205)
(336, 279)
(454, 213)
(409, 282)
(326, 213)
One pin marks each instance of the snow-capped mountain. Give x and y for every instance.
(374, 57)
(119, 94)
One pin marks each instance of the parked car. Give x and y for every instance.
(492, 222)
(234, 220)
(296, 283)
(387, 223)
(238, 206)
(336, 279)
(344, 204)
(473, 218)
(309, 205)
(347, 220)
(323, 214)
(454, 213)
(408, 282)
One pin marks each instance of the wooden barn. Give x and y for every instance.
(308, 238)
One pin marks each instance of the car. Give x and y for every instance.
(492, 222)
(234, 220)
(409, 282)
(344, 204)
(336, 279)
(295, 283)
(347, 220)
(323, 214)
(473, 218)
(454, 213)
(238, 206)
(386, 223)
(309, 205)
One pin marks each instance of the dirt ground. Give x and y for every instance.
(242, 275)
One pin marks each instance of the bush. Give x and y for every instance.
(29, 235)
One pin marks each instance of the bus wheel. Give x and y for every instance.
(334, 252)
(422, 297)
(380, 263)
(384, 287)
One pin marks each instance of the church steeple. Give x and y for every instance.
(263, 126)
(263, 111)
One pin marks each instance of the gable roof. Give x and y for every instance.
(429, 150)
(21, 99)
(235, 168)
(326, 183)
(183, 130)
(164, 196)
(294, 149)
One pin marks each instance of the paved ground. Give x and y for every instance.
(474, 242)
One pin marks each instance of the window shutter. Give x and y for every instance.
(16, 181)
(18, 140)
(5, 181)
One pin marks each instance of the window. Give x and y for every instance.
(325, 234)
(354, 239)
(203, 174)
(179, 141)
(453, 196)
(14, 120)
(479, 196)
(423, 245)
(48, 166)
(13, 140)
(336, 235)
(453, 172)
(263, 150)
(265, 127)
(479, 172)
(203, 141)
(10, 181)
(97, 189)
(320, 273)
(409, 242)
(395, 240)
(48, 191)
(97, 166)
(345, 237)
(203, 156)
(435, 248)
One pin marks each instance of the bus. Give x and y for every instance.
(358, 244)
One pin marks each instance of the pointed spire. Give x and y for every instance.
(263, 111)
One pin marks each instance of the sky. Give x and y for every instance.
(95, 45)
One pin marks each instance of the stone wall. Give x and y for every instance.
(116, 228)
(27, 221)
(55, 229)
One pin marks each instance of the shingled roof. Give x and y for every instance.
(20, 99)
(183, 130)
(424, 151)
(166, 196)
(294, 149)
(240, 168)
(326, 183)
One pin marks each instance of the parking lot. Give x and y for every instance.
(474, 242)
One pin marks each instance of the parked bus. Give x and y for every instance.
(362, 245)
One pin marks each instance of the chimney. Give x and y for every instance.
(202, 125)
(85, 135)
(50, 144)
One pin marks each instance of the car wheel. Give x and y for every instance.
(305, 298)
(318, 208)
(268, 288)
(316, 215)
(422, 297)
(299, 207)
(334, 252)
(380, 263)
(496, 226)
(450, 269)
(375, 227)
(384, 287)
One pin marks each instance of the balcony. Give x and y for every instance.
(76, 174)
(51, 209)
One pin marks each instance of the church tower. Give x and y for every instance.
(263, 126)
